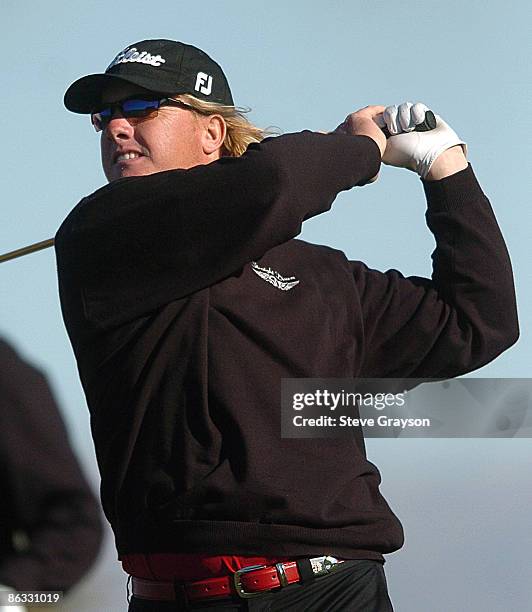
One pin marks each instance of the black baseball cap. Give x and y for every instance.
(163, 66)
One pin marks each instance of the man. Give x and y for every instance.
(187, 300)
(50, 527)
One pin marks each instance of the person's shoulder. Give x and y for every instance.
(18, 377)
(334, 260)
(319, 250)
(311, 256)
(99, 209)
(85, 206)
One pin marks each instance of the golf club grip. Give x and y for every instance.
(429, 123)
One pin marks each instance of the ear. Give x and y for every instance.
(214, 132)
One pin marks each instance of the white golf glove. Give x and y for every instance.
(416, 151)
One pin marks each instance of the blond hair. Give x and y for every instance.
(240, 131)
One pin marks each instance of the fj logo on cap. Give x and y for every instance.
(132, 55)
(203, 83)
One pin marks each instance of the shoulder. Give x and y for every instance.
(92, 207)
(313, 260)
(319, 250)
(21, 383)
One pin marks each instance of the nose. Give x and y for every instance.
(119, 128)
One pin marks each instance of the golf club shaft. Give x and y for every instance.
(32, 248)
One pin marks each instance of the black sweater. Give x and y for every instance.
(181, 345)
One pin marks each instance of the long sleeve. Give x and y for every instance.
(460, 319)
(142, 242)
(47, 504)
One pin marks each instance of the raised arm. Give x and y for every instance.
(144, 241)
(465, 315)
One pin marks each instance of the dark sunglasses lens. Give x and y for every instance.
(139, 108)
(129, 108)
(101, 119)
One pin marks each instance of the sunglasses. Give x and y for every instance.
(134, 110)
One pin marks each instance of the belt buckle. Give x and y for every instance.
(238, 582)
(324, 565)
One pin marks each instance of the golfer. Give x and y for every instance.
(187, 298)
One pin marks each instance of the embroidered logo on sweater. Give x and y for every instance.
(274, 278)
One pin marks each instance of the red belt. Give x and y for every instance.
(247, 582)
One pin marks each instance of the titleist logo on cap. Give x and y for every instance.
(132, 55)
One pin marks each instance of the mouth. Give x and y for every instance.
(127, 157)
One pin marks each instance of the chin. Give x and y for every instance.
(119, 171)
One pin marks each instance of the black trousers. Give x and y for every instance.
(356, 586)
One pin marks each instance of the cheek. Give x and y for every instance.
(183, 149)
(179, 130)
(105, 151)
